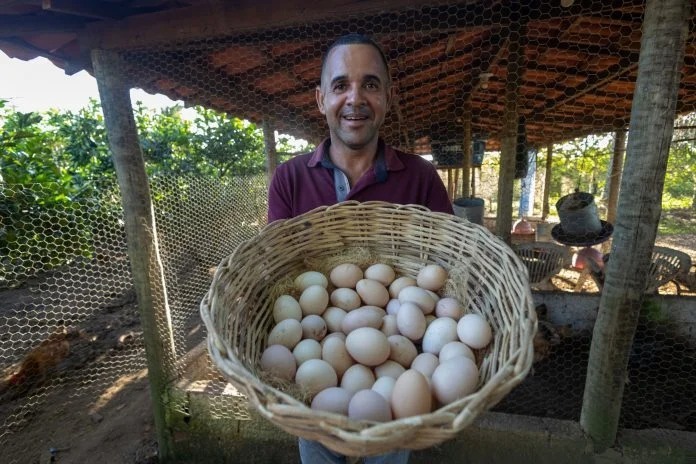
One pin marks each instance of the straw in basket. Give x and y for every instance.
(485, 275)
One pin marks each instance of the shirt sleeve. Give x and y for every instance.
(279, 197)
(438, 200)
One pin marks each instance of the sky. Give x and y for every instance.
(39, 85)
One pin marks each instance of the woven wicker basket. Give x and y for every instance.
(484, 273)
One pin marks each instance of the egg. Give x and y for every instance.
(440, 332)
(454, 379)
(402, 350)
(334, 352)
(305, 350)
(357, 377)
(384, 386)
(425, 363)
(286, 307)
(345, 275)
(368, 346)
(418, 296)
(313, 327)
(315, 375)
(287, 332)
(332, 399)
(369, 405)
(309, 278)
(393, 306)
(345, 298)
(389, 327)
(399, 284)
(474, 330)
(432, 277)
(454, 349)
(411, 395)
(333, 317)
(449, 307)
(314, 300)
(410, 321)
(365, 316)
(372, 292)
(279, 361)
(382, 273)
(389, 368)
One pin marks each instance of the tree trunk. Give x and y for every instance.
(665, 28)
(467, 149)
(143, 251)
(269, 141)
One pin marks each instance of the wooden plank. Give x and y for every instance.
(15, 26)
(88, 9)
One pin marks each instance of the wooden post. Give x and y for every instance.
(269, 141)
(614, 179)
(467, 149)
(547, 183)
(665, 28)
(506, 176)
(141, 235)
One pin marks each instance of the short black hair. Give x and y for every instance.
(356, 39)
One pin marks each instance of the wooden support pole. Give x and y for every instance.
(614, 179)
(467, 149)
(665, 28)
(547, 182)
(506, 173)
(269, 141)
(141, 235)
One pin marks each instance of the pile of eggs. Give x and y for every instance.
(378, 346)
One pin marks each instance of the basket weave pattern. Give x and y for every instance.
(485, 275)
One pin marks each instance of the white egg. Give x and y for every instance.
(306, 349)
(389, 327)
(384, 386)
(389, 368)
(315, 375)
(474, 330)
(411, 395)
(309, 278)
(399, 284)
(382, 273)
(357, 377)
(392, 306)
(454, 349)
(365, 316)
(314, 300)
(419, 297)
(334, 352)
(279, 361)
(369, 405)
(372, 292)
(345, 275)
(410, 321)
(432, 277)
(286, 307)
(440, 332)
(425, 363)
(454, 379)
(449, 307)
(368, 346)
(333, 317)
(402, 350)
(332, 399)
(345, 298)
(313, 327)
(287, 332)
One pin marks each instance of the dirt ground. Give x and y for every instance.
(115, 425)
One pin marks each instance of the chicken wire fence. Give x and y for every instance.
(577, 81)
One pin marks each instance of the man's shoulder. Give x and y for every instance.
(297, 161)
(410, 159)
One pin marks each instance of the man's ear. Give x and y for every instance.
(320, 99)
(391, 96)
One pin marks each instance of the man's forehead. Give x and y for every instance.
(339, 57)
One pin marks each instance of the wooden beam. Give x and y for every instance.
(88, 9)
(69, 66)
(14, 26)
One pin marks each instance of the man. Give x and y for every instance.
(353, 164)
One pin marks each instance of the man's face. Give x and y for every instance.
(354, 95)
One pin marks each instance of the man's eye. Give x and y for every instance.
(339, 87)
(372, 85)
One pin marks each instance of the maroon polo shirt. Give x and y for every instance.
(307, 181)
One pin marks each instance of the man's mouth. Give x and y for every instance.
(355, 117)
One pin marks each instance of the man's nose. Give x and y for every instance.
(355, 95)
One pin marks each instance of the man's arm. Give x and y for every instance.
(279, 199)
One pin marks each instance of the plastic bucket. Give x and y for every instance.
(469, 208)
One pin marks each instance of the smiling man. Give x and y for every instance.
(354, 163)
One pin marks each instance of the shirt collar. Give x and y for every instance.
(387, 158)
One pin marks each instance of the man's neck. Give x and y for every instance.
(354, 163)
